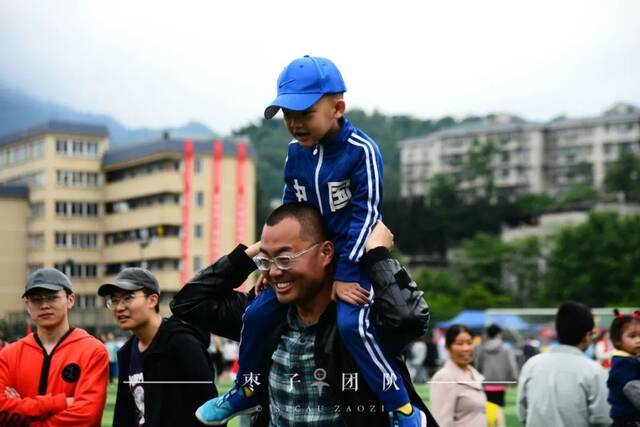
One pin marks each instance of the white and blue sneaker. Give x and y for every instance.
(417, 418)
(220, 410)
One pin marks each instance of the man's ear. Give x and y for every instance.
(71, 301)
(328, 251)
(157, 299)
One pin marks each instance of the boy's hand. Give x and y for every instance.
(253, 250)
(380, 236)
(350, 292)
(261, 284)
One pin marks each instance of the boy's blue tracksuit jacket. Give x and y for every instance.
(342, 176)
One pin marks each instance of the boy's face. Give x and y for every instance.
(313, 124)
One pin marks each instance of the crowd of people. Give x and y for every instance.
(322, 335)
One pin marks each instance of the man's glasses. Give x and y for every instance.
(126, 299)
(282, 262)
(42, 299)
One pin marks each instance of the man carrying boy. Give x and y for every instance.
(338, 169)
(56, 376)
(309, 377)
(164, 368)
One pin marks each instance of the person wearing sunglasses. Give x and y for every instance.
(57, 375)
(305, 359)
(164, 368)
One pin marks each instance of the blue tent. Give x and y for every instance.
(478, 319)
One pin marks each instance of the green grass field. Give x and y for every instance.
(423, 390)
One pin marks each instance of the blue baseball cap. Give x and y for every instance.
(303, 82)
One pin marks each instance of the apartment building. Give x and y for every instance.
(169, 205)
(14, 205)
(530, 157)
(149, 205)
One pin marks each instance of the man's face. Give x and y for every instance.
(308, 273)
(48, 308)
(131, 309)
(311, 125)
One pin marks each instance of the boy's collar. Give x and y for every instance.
(342, 135)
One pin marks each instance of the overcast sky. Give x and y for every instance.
(153, 63)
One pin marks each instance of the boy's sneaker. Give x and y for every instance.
(221, 409)
(417, 418)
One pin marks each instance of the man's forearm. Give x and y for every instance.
(210, 301)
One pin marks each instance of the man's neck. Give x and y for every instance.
(147, 331)
(310, 311)
(49, 337)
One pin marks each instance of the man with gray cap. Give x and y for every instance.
(164, 369)
(58, 374)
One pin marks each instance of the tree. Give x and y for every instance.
(480, 261)
(579, 194)
(597, 262)
(523, 270)
(624, 177)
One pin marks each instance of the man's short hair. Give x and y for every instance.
(312, 226)
(147, 293)
(573, 321)
(493, 330)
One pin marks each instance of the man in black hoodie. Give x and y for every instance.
(165, 371)
(306, 362)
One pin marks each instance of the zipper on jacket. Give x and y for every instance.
(46, 363)
(320, 150)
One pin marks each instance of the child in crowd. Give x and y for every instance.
(624, 376)
(338, 168)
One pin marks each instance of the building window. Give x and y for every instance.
(199, 199)
(82, 271)
(61, 146)
(77, 148)
(32, 180)
(197, 231)
(35, 240)
(197, 263)
(77, 209)
(36, 209)
(76, 240)
(77, 178)
(86, 301)
(32, 268)
(197, 166)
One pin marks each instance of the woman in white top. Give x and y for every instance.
(457, 397)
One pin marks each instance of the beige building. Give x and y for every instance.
(530, 157)
(14, 205)
(93, 211)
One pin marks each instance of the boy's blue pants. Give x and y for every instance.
(358, 334)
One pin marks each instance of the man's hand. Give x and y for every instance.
(11, 393)
(261, 284)
(380, 236)
(253, 250)
(350, 292)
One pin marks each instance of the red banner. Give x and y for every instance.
(241, 214)
(185, 265)
(216, 182)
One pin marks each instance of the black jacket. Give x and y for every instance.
(400, 314)
(178, 352)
